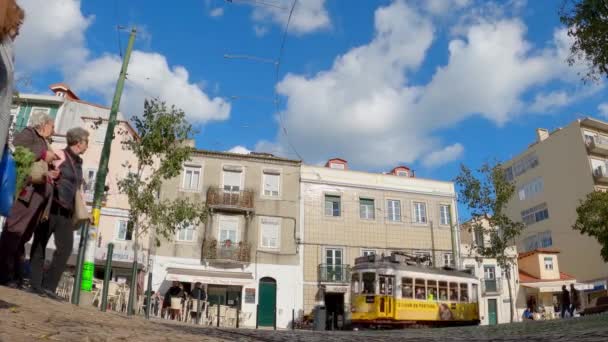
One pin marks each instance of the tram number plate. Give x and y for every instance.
(369, 299)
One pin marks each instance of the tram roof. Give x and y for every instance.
(375, 263)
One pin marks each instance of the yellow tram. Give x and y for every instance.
(397, 291)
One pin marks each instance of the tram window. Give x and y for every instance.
(453, 291)
(355, 283)
(369, 283)
(474, 293)
(383, 284)
(420, 289)
(443, 290)
(431, 286)
(464, 293)
(406, 287)
(390, 280)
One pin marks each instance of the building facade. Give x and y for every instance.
(347, 214)
(70, 111)
(246, 254)
(551, 177)
(494, 302)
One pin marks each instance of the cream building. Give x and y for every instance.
(346, 214)
(494, 298)
(246, 255)
(551, 177)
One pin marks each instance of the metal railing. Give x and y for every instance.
(334, 273)
(491, 286)
(218, 197)
(226, 250)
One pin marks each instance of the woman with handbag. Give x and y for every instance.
(32, 203)
(62, 212)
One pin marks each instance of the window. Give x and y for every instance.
(229, 230)
(444, 215)
(431, 286)
(100, 133)
(338, 166)
(367, 252)
(403, 173)
(474, 293)
(369, 283)
(447, 259)
(186, 233)
(470, 269)
(334, 264)
(407, 287)
(535, 214)
(386, 283)
(89, 181)
(531, 242)
(419, 212)
(420, 289)
(232, 180)
(545, 239)
(272, 183)
(526, 163)
(443, 290)
(366, 208)
(531, 189)
(355, 283)
(464, 293)
(549, 263)
(332, 205)
(124, 231)
(393, 208)
(454, 292)
(489, 272)
(479, 238)
(270, 228)
(192, 176)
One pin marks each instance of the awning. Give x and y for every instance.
(209, 277)
(556, 286)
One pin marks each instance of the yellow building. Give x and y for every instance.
(551, 177)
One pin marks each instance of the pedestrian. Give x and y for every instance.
(575, 301)
(60, 222)
(31, 206)
(565, 301)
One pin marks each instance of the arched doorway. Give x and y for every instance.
(267, 302)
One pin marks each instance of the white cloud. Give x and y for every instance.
(52, 35)
(217, 12)
(308, 16)
(441, 7)
(366, 110)
(259, 30)
(603, 109)
(239, 149)
(150, 75)
(443, 156)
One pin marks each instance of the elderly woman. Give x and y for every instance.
(60, 220)
(29, 207)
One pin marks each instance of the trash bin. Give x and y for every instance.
(320, 318)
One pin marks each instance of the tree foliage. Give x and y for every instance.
(160, 151)
(587, 22)
(593, 219)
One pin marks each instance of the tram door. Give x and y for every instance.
(386, 302)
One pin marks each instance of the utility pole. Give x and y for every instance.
(86, 252)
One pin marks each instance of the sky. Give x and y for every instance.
(380, 83)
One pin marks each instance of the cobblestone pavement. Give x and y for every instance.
(583, 329)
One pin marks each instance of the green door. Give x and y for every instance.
(492, 312)
(267, 302)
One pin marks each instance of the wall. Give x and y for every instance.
(544, 273)
(530, 265)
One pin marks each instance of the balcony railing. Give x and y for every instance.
(491, 286)
(226, 251)
(334, 273)
(597, 144)
(227, 199)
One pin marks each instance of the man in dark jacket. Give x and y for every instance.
(60, 220)
(565, 301)
(27, 210)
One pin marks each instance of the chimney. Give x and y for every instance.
(541, 134)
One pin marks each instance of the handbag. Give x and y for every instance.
(81, 213)
(8, 182)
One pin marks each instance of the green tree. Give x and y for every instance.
(587, 22)
(486, 194)
(593, 219)
(160, 150)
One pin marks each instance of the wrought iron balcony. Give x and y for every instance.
(226, 251)
(597, 145)
(491, 286)
(334, 273)
(218, 198)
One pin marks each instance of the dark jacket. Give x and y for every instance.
(196, 291)
(69, 181)
(30, 139)
(565, 298)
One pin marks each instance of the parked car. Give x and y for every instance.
(601, 305)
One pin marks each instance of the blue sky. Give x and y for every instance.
(380, 83)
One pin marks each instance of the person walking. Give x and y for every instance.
(60, 220)
(575, 301)
(565, 301)
(32, 204)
